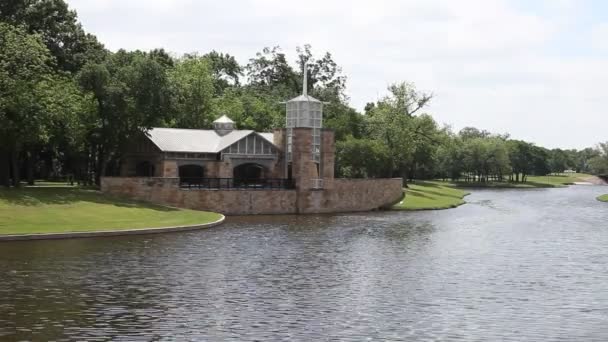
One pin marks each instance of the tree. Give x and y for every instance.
(450, 158)
(393, 123)
(520, 154)
(131, 93)
(472, 133)
(25, 69)
(270, 72)
(558, 161)
(360, 158)
(58, 28)
(599, 164)
(193, 89)
(325, 79)
(225, 69)
(250, 110)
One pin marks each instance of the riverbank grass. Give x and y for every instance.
(35, 210)
(553, 181)
(603, 198)
(431, 195)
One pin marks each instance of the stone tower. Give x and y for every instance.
(309, 149)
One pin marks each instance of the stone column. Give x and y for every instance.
(328, 156)
(170, 169)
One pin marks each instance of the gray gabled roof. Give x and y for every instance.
(197, 140)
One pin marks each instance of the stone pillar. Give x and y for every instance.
(211, 169)
(225, 169)
(158, 167)
(280, 167)
(328, 156)
(303, 168)
(170, 169)
(126, 166)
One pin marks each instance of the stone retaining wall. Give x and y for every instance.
(350, 195)
(342, 195)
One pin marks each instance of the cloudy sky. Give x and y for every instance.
(537, 69)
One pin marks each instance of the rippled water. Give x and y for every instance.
(511, 265)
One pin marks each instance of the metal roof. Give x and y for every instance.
(268, 136)
(304, 98)
(223, 119)
(198, 140)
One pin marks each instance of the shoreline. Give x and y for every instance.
(435, 199)
(108, 233)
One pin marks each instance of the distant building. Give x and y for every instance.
(236, 172)
(191, 154)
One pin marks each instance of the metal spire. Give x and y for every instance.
(305, 83)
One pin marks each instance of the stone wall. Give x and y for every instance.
(345, 195)
(350, 195)
(229, 202)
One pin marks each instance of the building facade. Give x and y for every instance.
(191, 154)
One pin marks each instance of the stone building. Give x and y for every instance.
(236, 172)
(195, 154)
(302, 153)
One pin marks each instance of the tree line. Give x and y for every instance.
(69, 107)
(399, 142)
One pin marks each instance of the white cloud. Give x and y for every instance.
(487, 61)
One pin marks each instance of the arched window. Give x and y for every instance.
(191, 173)
(144, 169)
(248, 171)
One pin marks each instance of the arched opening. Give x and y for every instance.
(248, 174)
(191, 174)
(144, 169)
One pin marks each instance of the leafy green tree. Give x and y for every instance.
(520, 154)
(473, 133)
(392, 122)
(25, 68)
(360, 158)
(58, 28)
(193, 90)
(325, 79)
(450, 158)
(250, 110)
(486, 159)
(559, 161)
(270, 72)
(131, 92)
(599, 164)
(225, 69)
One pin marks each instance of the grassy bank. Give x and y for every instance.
(66, 209)
(428, 195)
(603, 198)
(532, 182)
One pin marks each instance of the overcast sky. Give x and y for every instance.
(537, 69)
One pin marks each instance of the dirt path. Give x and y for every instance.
(594, 180)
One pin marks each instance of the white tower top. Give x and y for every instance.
(305, 111)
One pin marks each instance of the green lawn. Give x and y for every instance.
(532, 182)
(429, 195)
(603, 198)
(65, 209)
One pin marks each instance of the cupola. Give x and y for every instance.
(223, 125)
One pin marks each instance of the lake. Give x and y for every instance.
(511, 265)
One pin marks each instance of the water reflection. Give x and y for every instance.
(512, 265)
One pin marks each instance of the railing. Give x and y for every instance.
(237, 183)
(317, 183)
